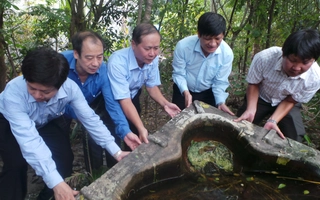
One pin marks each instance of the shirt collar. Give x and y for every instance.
(60, 95)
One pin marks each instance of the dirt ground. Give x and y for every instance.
(153, 117)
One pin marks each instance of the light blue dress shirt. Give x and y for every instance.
(26, 115)
(95, 85)
(127, 77)
(195, 72)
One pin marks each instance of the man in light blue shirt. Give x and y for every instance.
(131, 68)
(27, 105)
(89, 71)
(202, 64)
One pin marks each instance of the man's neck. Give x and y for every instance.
(83, 75)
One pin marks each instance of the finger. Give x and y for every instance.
(145, 140)
(231, 113)
(137, 141)
(280, 134)
(75, 192)
(238, 119)
(132, 146)
(135, 145)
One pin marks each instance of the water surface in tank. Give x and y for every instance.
(224, 182)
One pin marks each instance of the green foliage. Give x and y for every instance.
(176, 20)
(109, 20)
(49, 25)
(311, 113)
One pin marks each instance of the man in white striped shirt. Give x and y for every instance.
(279, 80)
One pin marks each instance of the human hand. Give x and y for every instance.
(62, 191)
(187, 99)
(143, 135)
(247, 115)
(172, 109)
(120, 155)
(132, 140)
(225, 108)
(273, 125)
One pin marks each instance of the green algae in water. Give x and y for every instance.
(210, 153)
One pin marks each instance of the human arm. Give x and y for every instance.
(252, 101)
(171, 108)
(282, 110)
(179, 73)
(115, 111)
(131, 112)
(187, 98)
(121, 69)
(91, 121)
(220, 81)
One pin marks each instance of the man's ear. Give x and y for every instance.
(75, 54)
(133, 44)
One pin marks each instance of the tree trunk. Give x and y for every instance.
(213, 7)
(147, 13)
(139, 12)
(270, 19)
(78, 22)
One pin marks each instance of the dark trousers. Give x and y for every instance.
(205, 96)
(13, 178)
(291, 125)
(93, 153)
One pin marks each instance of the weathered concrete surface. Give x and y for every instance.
(254, 148)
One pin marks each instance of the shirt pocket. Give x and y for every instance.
(210, 72)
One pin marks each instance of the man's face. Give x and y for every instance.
(148, 49)
(91, 57)
(294, 66)
(40, 92)
(209, 44)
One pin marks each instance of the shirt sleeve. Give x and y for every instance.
(91, 121)
(221, 82)
(114, 109)
(179, 68)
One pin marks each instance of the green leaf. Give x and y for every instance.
(281, 185)
(15, 7)
(306, 192)
(306, 137)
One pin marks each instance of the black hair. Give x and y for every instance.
(79, 37)
(211, 24)
(45, 66)
(143, 29)
(304, 43)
